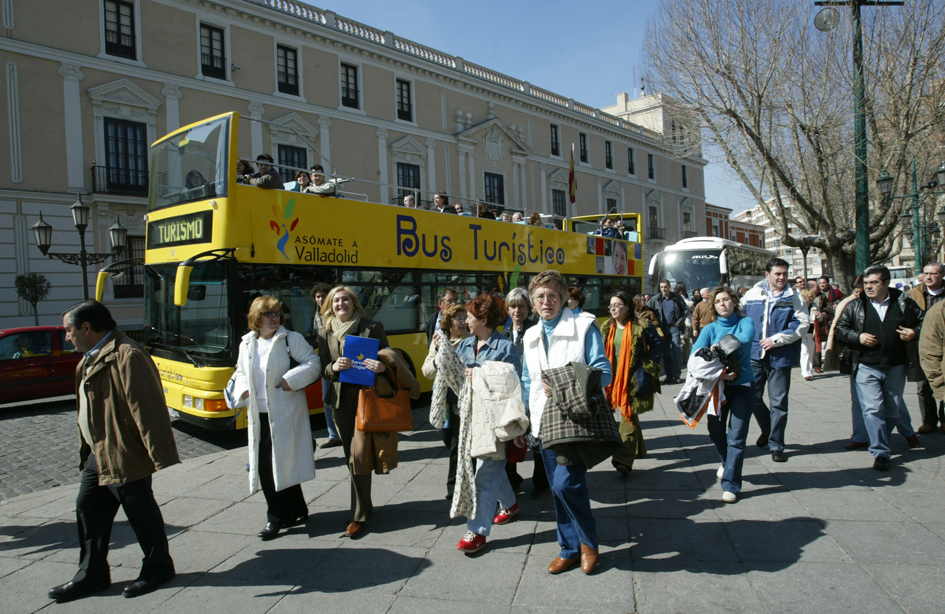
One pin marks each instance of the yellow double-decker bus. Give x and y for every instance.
(214, 244)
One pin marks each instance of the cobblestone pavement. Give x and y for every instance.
(39, 445)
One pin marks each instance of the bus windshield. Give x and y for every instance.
(190, 166)
(199, 329)
(696, 269)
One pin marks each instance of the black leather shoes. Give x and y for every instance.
(71, 590)
(881, 463)
(142, 587)
(271, 530)
(762, 441)
(778, 456)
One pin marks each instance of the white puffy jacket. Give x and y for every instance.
(498, 412)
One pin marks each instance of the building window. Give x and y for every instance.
(608, 155)
(611, 205)
(687, 224)
(349, 87)
(212, 56)
(408, 176)
(495, 189)
(131, 283)
(404, 104)
(287, 63)
(582, 140)
(650, 169)
(631, 166)
(685, 176)
(654, 217)
(555, 146)
(292, 156)
(126, 155)
(559, 204)
(120, 29)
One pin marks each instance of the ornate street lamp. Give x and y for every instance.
(118, 234)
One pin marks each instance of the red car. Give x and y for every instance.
(36, 362)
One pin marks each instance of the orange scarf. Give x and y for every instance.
(618, 390)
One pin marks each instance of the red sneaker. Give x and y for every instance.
(504, 516)
(471, 542)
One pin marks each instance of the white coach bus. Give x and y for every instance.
(707, 262)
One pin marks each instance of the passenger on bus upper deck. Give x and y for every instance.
(442, 202)
(505, 217)
(410, 202)
(535, 220)
(319, 185)
(267, 177)
(244, 169)
(607, 229)
(518, 217)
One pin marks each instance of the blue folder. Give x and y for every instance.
(358, 349)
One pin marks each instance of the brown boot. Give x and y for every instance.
(588, 559)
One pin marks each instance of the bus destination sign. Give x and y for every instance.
(181, 230)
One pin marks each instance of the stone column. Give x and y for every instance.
(172, 95)
(600, 196)
(461, 154)
(325, 143)
(431, 164)
(472, 176)
(256, 111)
(544, 187)
(72, 113)
(382, 163)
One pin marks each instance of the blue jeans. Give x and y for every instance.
(332, 431)
(737, 414)
(492, 485)
(576, 524)
(773, 421)
(880, 395)
(903, 424)
(672, 356)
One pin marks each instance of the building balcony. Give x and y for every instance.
(107, 180)
(689, 234)
(655, 232)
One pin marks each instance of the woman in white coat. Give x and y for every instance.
(280, 436)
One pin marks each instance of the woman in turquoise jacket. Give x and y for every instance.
(729, 319)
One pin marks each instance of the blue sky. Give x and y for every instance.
(588, 54)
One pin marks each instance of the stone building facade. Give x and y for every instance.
(88, 90)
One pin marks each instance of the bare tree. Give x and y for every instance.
(774, 98)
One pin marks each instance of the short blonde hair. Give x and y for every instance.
(518, 297)
(261, 305)
(329, 316)
(446, 320)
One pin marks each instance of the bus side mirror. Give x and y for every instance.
(197, 293)
(100, 285)
(181, 284)
(653, 265)
(723, 263)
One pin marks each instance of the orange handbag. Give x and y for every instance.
(377, 414)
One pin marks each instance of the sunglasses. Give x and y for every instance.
(271, 314)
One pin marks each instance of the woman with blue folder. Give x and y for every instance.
(345, 317)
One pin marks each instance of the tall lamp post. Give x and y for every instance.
(918, 220)
(118, 235)
(827, 20)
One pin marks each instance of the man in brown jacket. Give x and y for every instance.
(267, 177)
(927, 295)
(701, 314)
(125, 436)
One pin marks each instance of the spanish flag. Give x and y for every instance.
(572, 180)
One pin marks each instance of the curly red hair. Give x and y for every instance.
(485, 307)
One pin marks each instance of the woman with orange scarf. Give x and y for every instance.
(633, 347)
